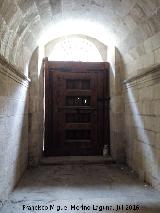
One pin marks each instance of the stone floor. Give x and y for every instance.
(82, 188)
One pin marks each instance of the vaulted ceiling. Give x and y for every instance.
(22, 22)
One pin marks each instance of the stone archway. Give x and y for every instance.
(36, 110)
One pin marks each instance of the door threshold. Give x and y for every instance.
(65, 160)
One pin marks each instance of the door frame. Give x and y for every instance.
(106, 102)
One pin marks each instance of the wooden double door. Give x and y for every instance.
(76, 108)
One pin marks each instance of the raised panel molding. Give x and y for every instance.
(12, 72)
(149, 74)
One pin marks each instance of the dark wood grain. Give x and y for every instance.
(76, 108)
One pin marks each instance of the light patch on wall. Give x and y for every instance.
(81, 27)
(145, 148)
(75, 49)
(17, 143)
(40, 58)
(70, 26)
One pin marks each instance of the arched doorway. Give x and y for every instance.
(76, 98)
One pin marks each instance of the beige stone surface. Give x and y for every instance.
(36, 112)
(143, 145)
(80, 183)
(23, 22)
(135, 29)
(13, 132)
(157, 56)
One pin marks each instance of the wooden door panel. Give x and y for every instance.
(72, 94)
(76, 112)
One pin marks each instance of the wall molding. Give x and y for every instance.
(148, 74)
(13, 72)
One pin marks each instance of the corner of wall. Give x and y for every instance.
(13, 126)
(117, 131)
(36, 110)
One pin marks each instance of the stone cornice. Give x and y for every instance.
(11, 71)
(147, 74)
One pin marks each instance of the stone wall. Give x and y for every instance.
(140, 53)
(117, 139)
(24, 22)
(36, 110)
(135, 27)
(142, 124)
(144, 54)
(13, 126)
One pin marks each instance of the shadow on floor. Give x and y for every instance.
(91, 185)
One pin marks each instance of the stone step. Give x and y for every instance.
(67, 160)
